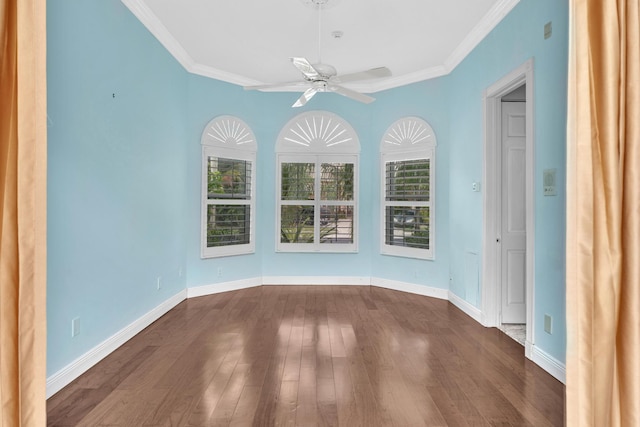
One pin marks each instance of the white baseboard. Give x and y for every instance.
(549, 363)
(468, 308)
(316, 280)
(79, 366)
(217, 288)
(76, 368)
(411, 288)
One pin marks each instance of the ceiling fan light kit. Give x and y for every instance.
(321, 77)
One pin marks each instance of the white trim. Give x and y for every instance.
(398, 81)
(155, 26)
(490, 305)
(317, 137)
(479, 32)
(408, 138)
(151, 21)
(316, 280)
(550, 364)
(412, 288)
(217, 74)
(466, 307)
(217, 288)
(227, 137)
(83, 363)
(66, 375)
(491, 19)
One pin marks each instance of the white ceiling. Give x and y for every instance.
(248, 42)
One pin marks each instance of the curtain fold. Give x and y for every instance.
(23, 139)
(603, 214)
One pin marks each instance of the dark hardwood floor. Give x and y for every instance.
(312, 356)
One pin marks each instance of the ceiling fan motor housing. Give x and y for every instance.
(326, 71)
(320, 86)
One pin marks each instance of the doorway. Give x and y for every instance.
(508, 234)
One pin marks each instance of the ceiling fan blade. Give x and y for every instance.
(276, 85)
(305, 68)
(373, 73)
(306, 96)
(352, 94)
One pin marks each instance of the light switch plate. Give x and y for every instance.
(549, 182)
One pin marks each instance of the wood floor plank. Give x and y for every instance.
(246, 407)
(201, 412)
(349, 414)
(226, 406)
(313, 356)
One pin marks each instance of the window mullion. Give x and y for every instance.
(237, 202)
(317, 202)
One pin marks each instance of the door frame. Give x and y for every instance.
(491, 290)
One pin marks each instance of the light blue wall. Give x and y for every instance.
(308, 264)
(124, 172)
(266, 114)
(207, 99)
(516, 39)
(429, 101)
(116, 174)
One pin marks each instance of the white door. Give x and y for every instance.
(513, 213)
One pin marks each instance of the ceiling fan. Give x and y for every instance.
(321, 77)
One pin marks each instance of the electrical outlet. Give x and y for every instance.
(548, 324)
(180, 272)
(75, 327)
(219, 271)
(159, 283)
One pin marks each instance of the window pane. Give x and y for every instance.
(407, 180)
(228, 178)
(336, 224)
(227, 225)
(298, 181)
(296, 225)
(337, 181)
(407, 226)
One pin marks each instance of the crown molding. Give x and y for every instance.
(403, 80)
(159, 31)
(151, 21)
(214, 73)
(146, 16)
(479, 32)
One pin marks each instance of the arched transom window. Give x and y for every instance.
(317, 184)
(407, 162)
(228, 187)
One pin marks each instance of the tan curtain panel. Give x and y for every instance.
(603, 214)
(23, 138)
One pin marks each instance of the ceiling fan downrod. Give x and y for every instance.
(323, 77)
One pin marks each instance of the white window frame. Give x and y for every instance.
(228, 137)
(319, 147)
(409, 138)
